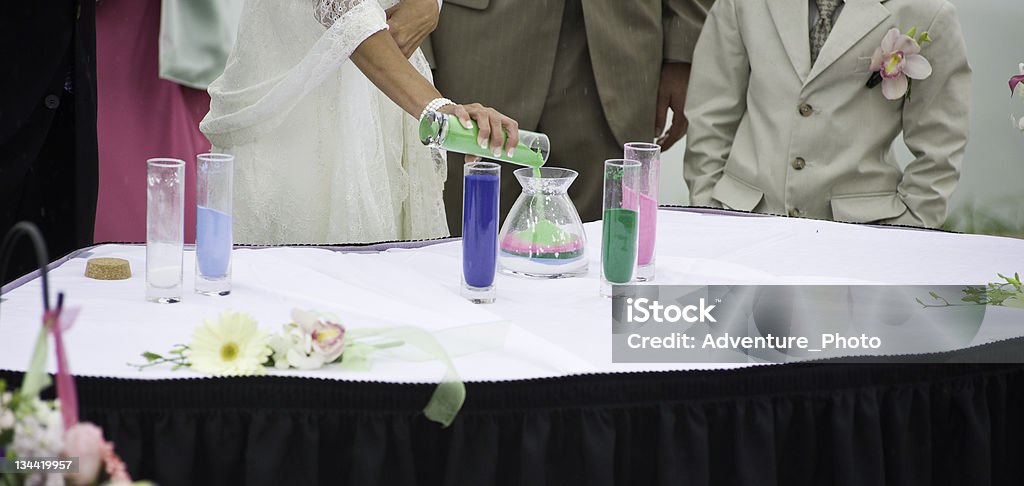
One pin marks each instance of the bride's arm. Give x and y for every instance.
(383, 63)
(379, 58)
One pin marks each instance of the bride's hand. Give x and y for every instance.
(410, 22)
(492, 125)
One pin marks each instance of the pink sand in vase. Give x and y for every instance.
(516, 244)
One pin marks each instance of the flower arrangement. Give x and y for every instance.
(233, 345)
(32, 429)
(1016, 80)
(898, 61)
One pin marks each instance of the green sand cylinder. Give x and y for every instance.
(446, 132)
(618, 244)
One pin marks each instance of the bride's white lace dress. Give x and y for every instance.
(321, 155)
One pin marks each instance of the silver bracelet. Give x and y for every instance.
(436, 104)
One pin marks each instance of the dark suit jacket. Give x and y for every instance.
(48, 155)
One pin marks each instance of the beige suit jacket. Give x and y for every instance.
(517, 40)
(771, 133)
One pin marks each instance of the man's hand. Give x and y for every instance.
(410, 22)
(675, 79)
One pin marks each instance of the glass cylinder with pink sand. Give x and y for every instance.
(649, 156)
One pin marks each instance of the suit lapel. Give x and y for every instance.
(790, 17)
(855, 21)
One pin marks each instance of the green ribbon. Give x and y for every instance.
(36, 379)
(450, 394)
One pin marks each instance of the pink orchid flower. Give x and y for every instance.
(326, 338)
(1018, 79)
(896, 60)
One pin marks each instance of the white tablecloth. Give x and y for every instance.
(555, 327)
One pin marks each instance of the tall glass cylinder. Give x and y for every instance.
(649, 156)
(165, 229)
(619, 223)
(446, 131)
(480, 230)
(213, 223)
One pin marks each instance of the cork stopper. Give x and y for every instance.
(108, 269)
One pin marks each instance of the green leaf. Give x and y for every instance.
(934, 295)
(1017, 301)
(150, 356)
(912, 33)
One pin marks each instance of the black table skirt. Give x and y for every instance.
(799, 424)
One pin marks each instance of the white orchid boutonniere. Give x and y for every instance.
(1014, 81)
(898, 61)
(310, 341)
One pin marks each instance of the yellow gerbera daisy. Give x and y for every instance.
(231, 346)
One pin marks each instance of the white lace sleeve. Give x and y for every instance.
(327, 12)
(281, 55)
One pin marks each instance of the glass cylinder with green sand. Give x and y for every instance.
(619, 224)
(447, 132)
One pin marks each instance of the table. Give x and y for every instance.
(547, 406)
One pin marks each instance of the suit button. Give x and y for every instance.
(795, 213)
(51, 102)
(806, 110)
(799, 163)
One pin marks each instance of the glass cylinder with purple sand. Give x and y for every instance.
(481, 187)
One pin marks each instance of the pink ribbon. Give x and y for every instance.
(66, 394)
(1014, 81)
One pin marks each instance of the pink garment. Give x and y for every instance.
(140, 116)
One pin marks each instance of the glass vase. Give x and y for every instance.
(543, 237)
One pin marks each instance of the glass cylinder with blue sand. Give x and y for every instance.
(481, 186)
(214, 186)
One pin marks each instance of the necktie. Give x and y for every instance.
(819, 34)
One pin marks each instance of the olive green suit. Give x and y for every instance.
(585, 72)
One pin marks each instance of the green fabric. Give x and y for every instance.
(415, 344)
(196, 37)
